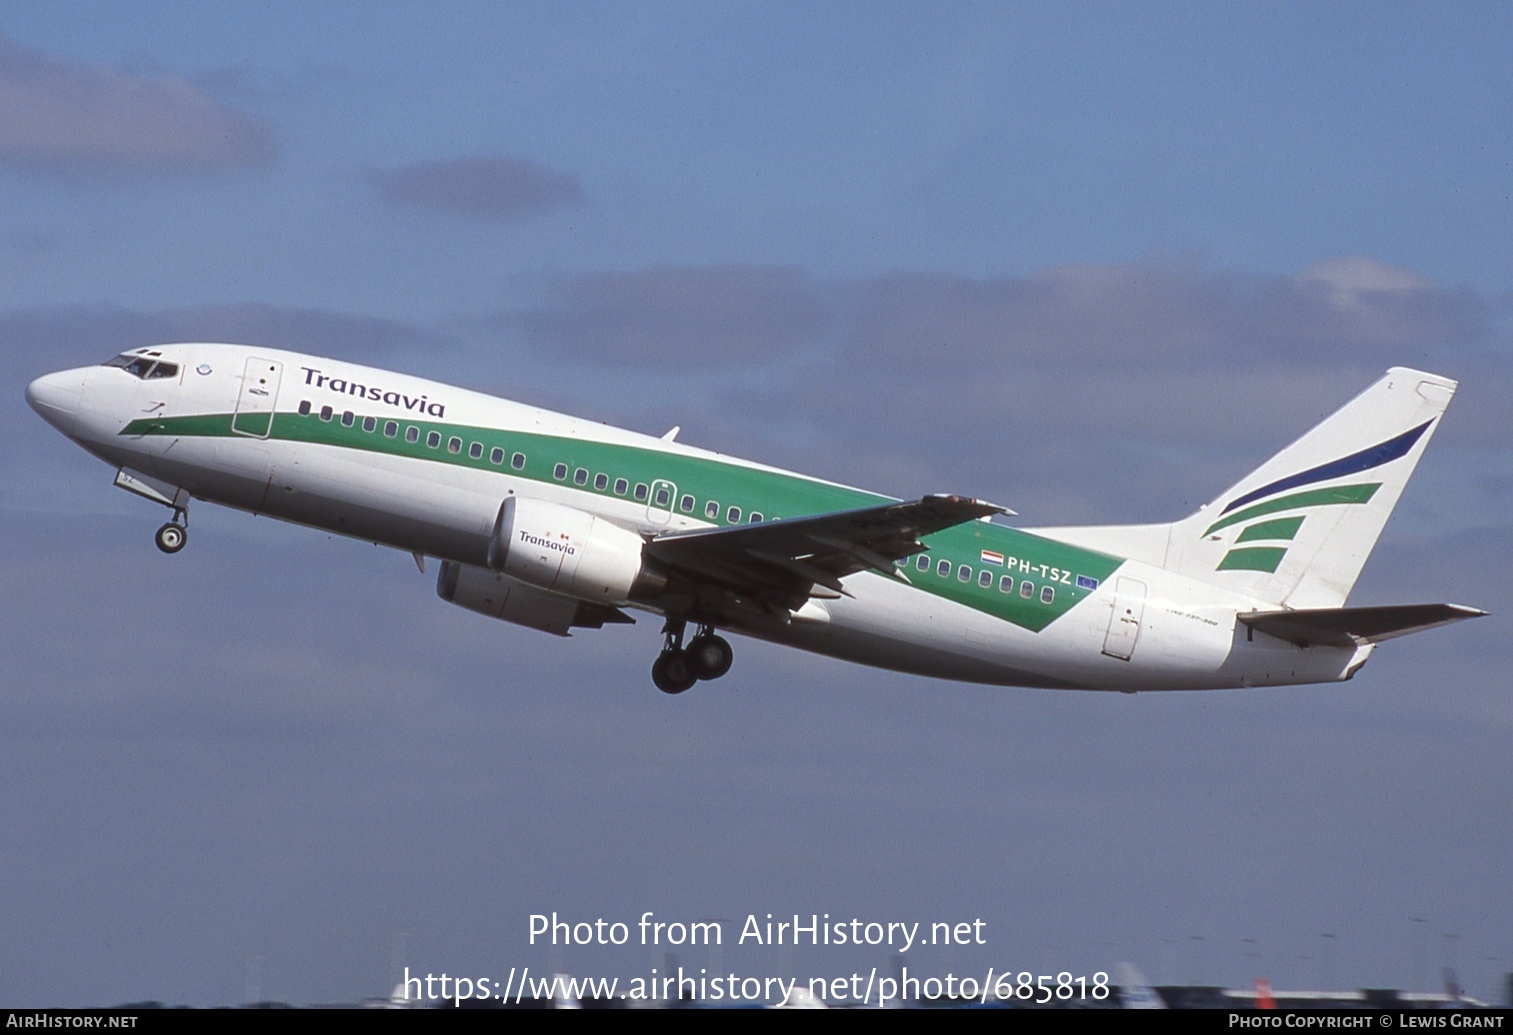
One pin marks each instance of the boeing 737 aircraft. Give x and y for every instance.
(558, 523)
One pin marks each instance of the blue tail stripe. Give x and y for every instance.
(1365, 460)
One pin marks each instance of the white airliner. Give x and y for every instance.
(554, 522)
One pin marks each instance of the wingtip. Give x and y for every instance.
(990, 509)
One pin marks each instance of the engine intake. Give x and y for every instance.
(572, 552)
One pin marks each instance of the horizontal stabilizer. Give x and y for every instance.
(1351, 626)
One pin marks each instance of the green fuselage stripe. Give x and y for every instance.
(1068, 572)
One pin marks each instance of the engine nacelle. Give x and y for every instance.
(570, 551)
(500, 596)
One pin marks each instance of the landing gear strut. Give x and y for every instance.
(707, 656)
(172, 536)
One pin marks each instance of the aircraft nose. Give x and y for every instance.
(54, 395)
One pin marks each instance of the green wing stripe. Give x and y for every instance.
(1312, 498)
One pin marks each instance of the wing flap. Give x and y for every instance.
(1352, 626)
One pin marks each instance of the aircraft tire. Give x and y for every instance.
(672, 672)
(171, 538)
(710, 656)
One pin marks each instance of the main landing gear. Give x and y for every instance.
(172, 536)
(677, 668)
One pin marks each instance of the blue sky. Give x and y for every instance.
(1093, 261)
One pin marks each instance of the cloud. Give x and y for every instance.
(495, 189)
(53, 336)
(1124, 316)
(1134, 384)
(74, 118)
(1138, 315)
(699, 316)
(1143, 385)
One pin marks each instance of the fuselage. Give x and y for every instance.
(423, 467)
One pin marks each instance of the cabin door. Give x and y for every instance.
(258, 397)
(1124, 623)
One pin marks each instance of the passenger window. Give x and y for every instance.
(712, 510)
(454, 444)
(518, 461)
(985, 580)
(370, 424)
(476, 451)
(943, 569)
(621, 486)
(390, 429)
(686, 504)
(1026, 589)
(559, 472)
(1006, 584)
(601, 482)
(964, 574)
(754, 519)
(433, 439)
(325, 413)
(664, 498)
(412, 434)
(580, 476)
(923, 563)
(733, 515)
(496, 456)
(348, 418)
(304, 407)
(641, 491)
(1048, 594)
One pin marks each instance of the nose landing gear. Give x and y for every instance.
(707, 656)
(172, 536)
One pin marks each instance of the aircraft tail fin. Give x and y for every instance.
(1135, 993)
(1297, 530)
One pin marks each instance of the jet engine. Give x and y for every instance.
(571, 552)
(499, 596)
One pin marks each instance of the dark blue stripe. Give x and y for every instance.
(1365, 460)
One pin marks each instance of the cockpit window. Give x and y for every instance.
(136, 366)
(144, 367)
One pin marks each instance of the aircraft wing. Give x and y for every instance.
(781, 564)
(1348, 626)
